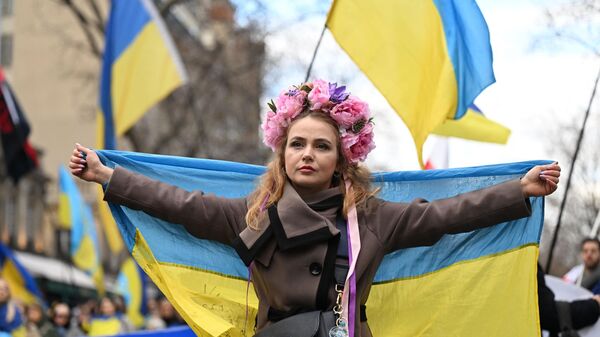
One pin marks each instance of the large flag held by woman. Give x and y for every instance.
(480, 283)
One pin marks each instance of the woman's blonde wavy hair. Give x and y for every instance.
(270, 188)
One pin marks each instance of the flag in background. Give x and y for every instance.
(21, 283)
(19, 156)
(429, 58)
(438, 158)
(85, 249)
(471, 283)
(131, 283)
(474, 126)
(140, 67)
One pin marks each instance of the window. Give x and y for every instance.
(6, 7)
(6, 50)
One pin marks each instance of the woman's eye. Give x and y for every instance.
(323, 147)
(296, 144)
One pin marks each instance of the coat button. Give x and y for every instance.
(315, 269)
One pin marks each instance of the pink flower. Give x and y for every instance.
(319, 95)
(275, 123)
(350, 111)
(272, 129)
(356, 147)
(290, 106)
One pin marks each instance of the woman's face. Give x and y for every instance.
(4, 291)
(311, 155)
(107, 307)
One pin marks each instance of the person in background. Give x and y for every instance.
(152, 321)
(82, 314)
(60, 315)
(107, 322)
(587, 274)
(38, 324)
(121, 310)
(558, 316)
(168, 314)
(11, 320)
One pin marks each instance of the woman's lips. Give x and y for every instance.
(307, 169)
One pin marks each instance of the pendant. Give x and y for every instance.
(337, 331)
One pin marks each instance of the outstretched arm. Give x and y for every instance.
(204, 216)
(422, 223)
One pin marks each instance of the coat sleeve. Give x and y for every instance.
(204, 216)
(423, 223)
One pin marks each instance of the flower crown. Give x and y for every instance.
(350, 114)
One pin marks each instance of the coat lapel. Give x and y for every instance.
(293, 223)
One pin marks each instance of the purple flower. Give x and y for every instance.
(338, 94)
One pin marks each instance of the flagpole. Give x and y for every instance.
(594, 231)
(314, 56)
(573, 159)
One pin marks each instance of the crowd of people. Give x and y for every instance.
(91, 318)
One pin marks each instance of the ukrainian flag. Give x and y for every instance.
(140, 67)
(131, 283)
(85, 249)
(428, 58)
(474, 126)
(481, 283)
(21, 283)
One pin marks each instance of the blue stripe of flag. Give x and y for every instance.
(468, 43)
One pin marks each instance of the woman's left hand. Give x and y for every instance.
(541, 180)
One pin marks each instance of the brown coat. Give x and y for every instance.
(291, 253)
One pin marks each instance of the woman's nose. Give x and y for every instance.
(307, 154)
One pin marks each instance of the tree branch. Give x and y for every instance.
(85, 26)
(100, 21)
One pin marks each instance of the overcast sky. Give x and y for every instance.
(536, 82)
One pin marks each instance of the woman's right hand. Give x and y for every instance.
(86, 165)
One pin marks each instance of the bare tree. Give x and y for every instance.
(575, 25)
(217, 114)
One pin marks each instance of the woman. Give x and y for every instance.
(288, 230)
(107, 321)
(38, 324)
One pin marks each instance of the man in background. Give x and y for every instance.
(587, 275)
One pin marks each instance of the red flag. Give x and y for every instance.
(19, 156)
